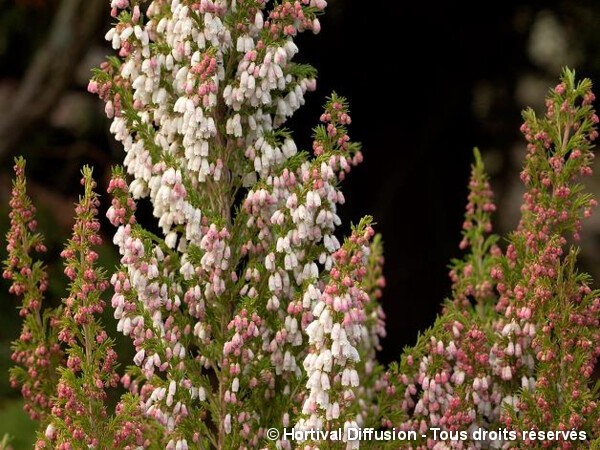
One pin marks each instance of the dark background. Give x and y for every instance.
(426, 84)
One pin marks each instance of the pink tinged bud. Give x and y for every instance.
(316, 26)
(525, 313)
(440, 348)
(335, 410)
(484, 383)
(136, 14)
(92, 87)
(459, 377)
(109, 109)
(510, 349)
(518, 350)
(139, 357)
(121, 4)
(419, 407)
(455, 331)
(50, 431)
(451, 348)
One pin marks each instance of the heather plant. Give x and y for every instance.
(37, 351)
(247, 313)
(517, 343)
(78, 413)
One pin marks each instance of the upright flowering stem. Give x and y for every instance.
(79, 412)
(444, 380)
(37, 351)
(334, 338)
(549, 309)
(526, 362)
(471, 280)
(218, 305)
(369, 369)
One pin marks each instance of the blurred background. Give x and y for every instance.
(453, 77)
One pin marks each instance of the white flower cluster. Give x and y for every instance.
(308, 218)
(198, 103)
(335, 335)
(149, 319)
(176, 66)
(293, 212)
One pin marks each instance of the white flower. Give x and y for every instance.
(171, 239)
(227, 424)
(258, 20)
(139, 357)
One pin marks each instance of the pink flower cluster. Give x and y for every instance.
(37, 351)
(78, 411)
(516, 347)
